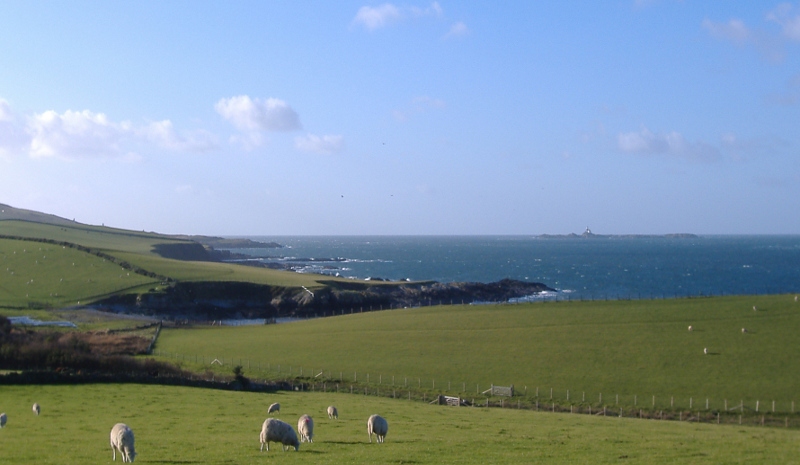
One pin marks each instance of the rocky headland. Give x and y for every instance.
(220, 300)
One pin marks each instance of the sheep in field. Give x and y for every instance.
(305, 426)
(690, 328)
(277, 431)
(705, 351)
(3, 419)
(744, 330)
(377, 425)
(332, 412)
(276, 407)
(122, 441)
(36, 409)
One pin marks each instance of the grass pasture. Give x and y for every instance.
(40, 275)
(625, 348)
(190, 425)
(89, 278)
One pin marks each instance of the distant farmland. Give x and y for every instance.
(632, 349)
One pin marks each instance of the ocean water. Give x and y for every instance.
(599, 268)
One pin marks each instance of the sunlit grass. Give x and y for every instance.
(191, 425)
(634, 349)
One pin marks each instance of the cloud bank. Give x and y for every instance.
(270, 115)
(86, 134)
(324, 145)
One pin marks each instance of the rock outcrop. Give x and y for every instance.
(217, 300)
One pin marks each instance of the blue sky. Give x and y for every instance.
(322, 118)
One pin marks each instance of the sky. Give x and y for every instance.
(404, 118)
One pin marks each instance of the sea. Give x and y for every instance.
(608, 267)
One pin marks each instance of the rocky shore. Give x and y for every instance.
(221, 300)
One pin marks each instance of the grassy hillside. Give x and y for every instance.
(38, 275)
(42, 274)
(189, 425)
(630, 348)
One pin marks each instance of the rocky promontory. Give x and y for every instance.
(219, 300)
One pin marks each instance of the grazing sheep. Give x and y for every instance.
(377, 425)
(276, 407)
(332, 412)
(36, 409)
(705, 351)
(744, 330)
(305, 426)
(754, 308)
(3, 419)
(122, 441)
(690, 328)
(277, 431)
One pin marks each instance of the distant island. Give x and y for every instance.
(588, 234)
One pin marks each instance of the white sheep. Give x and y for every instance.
(755, 309)
(332, 412)
(305, 426)
(690, 328)
(744, 330)
(277, 431)
(379, 426)
(36, 409)
(276, 407)
(122, 441)
(3, 419)
(705, 351)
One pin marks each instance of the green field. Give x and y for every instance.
(38, 275)
(189, 425)
(633, 349)
(46, 275)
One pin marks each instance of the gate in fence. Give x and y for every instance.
(506, 391)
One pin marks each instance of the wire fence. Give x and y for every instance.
(750, 411)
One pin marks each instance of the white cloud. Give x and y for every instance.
(248, 114)
(376, 17)
(164, 135)
(433, 10)
(382, 15)
(768, 43)
(324, 145)
(645, 142)
(734, 30)
(788, 17)
(457, 30)
(75, 134)
(87, 134)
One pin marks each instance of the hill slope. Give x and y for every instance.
(182, 278)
